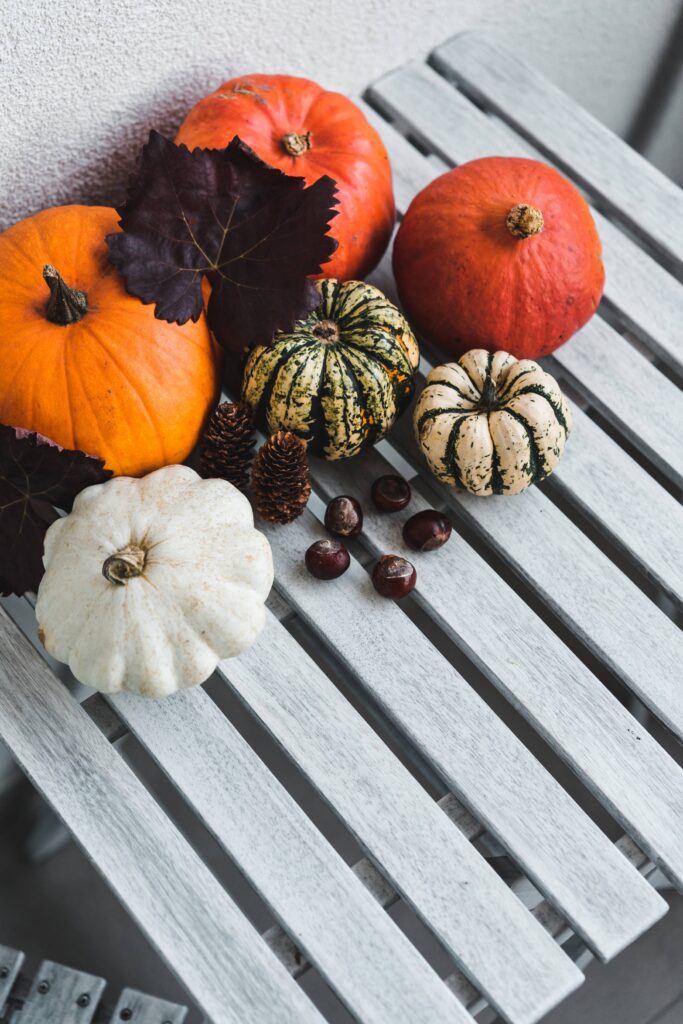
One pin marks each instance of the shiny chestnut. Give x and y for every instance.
(390, 493)
(344, 516)
(327, 559)
(426, 530)
(394, 576)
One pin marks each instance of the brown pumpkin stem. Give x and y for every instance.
(326, 331)
(523, 221)
(124, 565)
(489, 395)
(65, 305)
(295, 144)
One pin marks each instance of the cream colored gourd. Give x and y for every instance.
(491, 424)
(150, 582)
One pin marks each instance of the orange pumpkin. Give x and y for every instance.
(499, 253)
(87, 364)
(302, 129)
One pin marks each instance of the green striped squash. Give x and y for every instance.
(342, 376)
(492, 424)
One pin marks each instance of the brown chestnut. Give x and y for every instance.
(344, 516)
(327, 559)
(426, 530)
(394, 576)
(390, 493)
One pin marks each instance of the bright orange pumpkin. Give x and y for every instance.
(302, 129)
(499, 253)
(87, 364)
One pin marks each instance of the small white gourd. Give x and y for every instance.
(490, 423)
(150, 582)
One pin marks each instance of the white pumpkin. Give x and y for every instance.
(490, 423)
(150, 582)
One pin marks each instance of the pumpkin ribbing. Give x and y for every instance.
(491, 424)
(341, 377)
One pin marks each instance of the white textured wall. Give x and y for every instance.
(81, 83)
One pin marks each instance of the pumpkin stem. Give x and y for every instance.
(523, 221)
(124, 565)
(489, 395)
(326, 331)
(295, 144)
(65, 305)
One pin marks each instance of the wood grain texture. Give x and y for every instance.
(146, 1009)
(376, 884)
(647, 299)
(586, 591)
(10, 965)
(219, 957)
(640, 784)
(626, 387)
(644, 198)
(343, 931)
(427, 859)
(480, 759)
(61, 994)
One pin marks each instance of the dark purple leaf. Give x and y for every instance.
(255, 233)
(35, 473)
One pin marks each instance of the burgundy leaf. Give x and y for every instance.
(35, 473)
(255, 233)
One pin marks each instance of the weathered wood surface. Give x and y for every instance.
(622, 763)
(479, 758)
(343, 931)
(61, 994)
(623, 180)
(626, 387)
(380, 889)
(139, 1008)
(10, 965)
(425, 857)
(623, 610)
(176, 900)
(586, 591)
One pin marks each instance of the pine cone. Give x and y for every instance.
(228, 444)
(280, 478)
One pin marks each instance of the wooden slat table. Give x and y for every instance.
(465, 739)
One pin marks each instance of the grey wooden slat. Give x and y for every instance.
(644, 198)
(636, 779)
(376, 884)
(625, 386)
(594, 469)
(61, 994)
(586, 591)
(478, 756)
(194, 924)
(365, 958)
(487, 930)
(10, 965)
(646, 405)
(646, 297)
(139, 1008)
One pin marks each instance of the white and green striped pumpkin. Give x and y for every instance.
(491, 424)
(342, 376)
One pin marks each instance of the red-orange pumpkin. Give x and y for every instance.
(499, 253)
(88, 365)
(302, 129)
